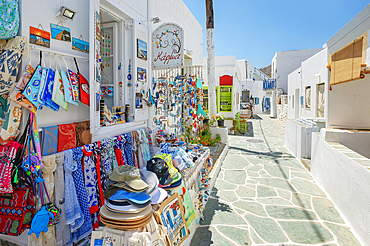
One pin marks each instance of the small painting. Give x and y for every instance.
(171, 215)
(302, 101)
(139, 100)
(98, 26)
(141, 74)
(60, 33)
(142, 49)
(39, 37)
(80, 45)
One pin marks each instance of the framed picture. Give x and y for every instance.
(302, 101)
(142, 49)
(138, 100)
(171, 215)
(60, 33)
(39, 37)
(141, 74)
(80, 45)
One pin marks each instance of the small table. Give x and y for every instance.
(237, 125)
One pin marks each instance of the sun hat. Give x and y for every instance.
(127, 217)
(130, 175)
(158, 166)
(140, 197)
(158, 194)
(123, 203)
(123, 209)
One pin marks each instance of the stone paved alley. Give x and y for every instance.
(264, 196)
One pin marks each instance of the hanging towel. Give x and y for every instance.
(46, 91)
(66, 137)
(49, 140)
(10, 59)
(83, 135)
(58, 88)
(74, 216)
(62, 230)
(17, 96)
(91, 183)
(31, 91)
(78, 178)
(67, 88)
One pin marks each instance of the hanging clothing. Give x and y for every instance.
(48, 169)
(106, 161)
(62, 230)
(90, 183)
(129, 156)
(150, 141)
(74, 216)
(140, 151)
(134, 148)
(118, 148)
(101, 174)
(145, 145)
(78, 178)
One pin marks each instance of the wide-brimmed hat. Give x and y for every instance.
(158, 194)
(123, 209)
(140, 198)
(125, 217)
(129, 175)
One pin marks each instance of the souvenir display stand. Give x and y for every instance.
(135, 170)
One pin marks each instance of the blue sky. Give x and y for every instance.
(255, 30)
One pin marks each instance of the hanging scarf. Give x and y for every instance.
(119, 142)
(105, 161)
(145, 146)
(129, 156)
(78, 178)
(90, 183)
(134, 149)
(140, 152)
(62, 230)
(74, 216)
(149, 136)
(100, 172)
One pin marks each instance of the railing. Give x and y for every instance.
(269, 84)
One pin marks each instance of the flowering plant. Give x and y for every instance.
(220, 117)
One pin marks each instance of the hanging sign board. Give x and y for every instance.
(167, 46)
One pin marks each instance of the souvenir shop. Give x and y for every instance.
(93, 147)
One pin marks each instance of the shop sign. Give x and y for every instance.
(167, 46)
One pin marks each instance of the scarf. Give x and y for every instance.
(62, 230)
(78, 178)
(74, 216)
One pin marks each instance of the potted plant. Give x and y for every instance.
(220, 120)
(206, 120)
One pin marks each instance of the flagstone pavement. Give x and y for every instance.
(264, 196)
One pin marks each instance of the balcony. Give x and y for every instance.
(269, 84)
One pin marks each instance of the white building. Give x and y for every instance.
(282, 64)
(126, 21)
(333, 87)
(228, 84)
(253, 85)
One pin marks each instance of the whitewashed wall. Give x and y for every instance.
(313, 71)
(176, 11)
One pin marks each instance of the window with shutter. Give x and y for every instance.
(346, 63)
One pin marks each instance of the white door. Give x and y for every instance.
(296, 104)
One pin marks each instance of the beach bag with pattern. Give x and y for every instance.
(9, 18)
(10, 59)
(83, 87)
(58, 90)
(9, 130)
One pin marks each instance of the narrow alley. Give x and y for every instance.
(264, 196)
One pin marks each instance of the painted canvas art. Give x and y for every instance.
(60, 33)
(171, 215)
(142, 49)
(80, 45)
(141, 74)
(39, 37)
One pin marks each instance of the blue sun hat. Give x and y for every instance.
(139, 198)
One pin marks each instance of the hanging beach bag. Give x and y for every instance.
(32, 89)
(16, 95)
(58, 88)
(74, 83)
(68, 92)
(9, 18)
(46, 89)
(83, 87)
(9, 130)
(10, 59)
